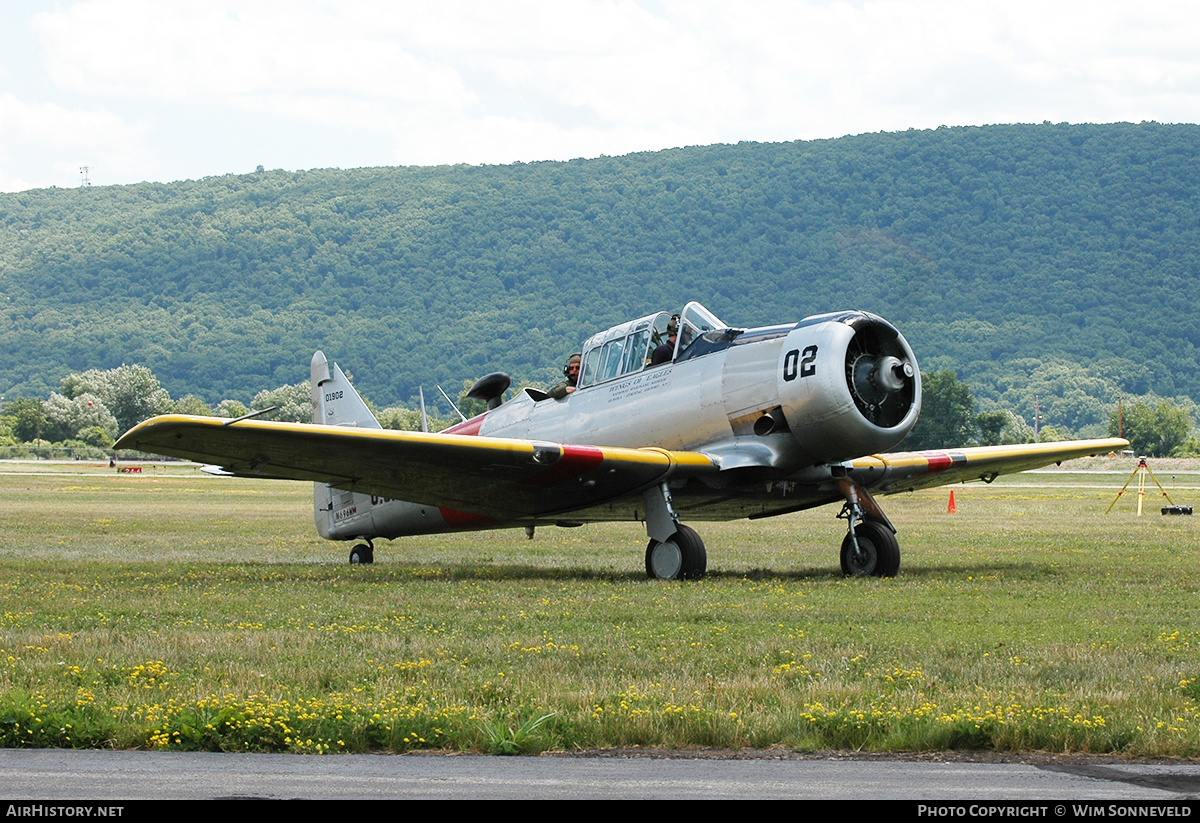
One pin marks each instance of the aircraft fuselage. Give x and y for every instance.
(766, 404)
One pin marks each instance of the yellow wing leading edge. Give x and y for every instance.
(497, 477)
(906, 471)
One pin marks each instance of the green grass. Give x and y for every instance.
(178, 611)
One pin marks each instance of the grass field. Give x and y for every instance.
(173, 610)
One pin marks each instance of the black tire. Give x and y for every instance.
(878, 551)
(361, 555)
(695, 556)
(683, 557)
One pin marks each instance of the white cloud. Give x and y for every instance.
(49, 143)
(470, 81)
(218, 50)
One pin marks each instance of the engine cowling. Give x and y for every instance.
(849, 385)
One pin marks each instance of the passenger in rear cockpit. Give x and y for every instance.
(571, 373)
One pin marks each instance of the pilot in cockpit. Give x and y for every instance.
(571, 373)
(665, 351)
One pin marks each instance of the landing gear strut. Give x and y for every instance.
(675, 551)
(362, 553)
(870, 547)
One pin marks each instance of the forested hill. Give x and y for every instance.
(1057, 260)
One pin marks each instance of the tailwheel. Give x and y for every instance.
(682, 557)
(877, 553)
(363, 553)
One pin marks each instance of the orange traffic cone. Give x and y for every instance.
(951, 509)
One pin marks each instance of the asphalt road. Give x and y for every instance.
(103, 775)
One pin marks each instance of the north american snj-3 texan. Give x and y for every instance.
(737, 423)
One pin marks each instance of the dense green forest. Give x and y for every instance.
(1052, 261)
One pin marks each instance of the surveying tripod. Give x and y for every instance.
(1140, 473)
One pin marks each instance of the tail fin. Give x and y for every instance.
(340, 514)
(335, 402)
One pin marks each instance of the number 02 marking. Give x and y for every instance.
(794, 365)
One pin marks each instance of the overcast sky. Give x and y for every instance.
(175, 89)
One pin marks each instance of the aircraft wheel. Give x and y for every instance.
(878, 552)
(361, 554)
(681, 558)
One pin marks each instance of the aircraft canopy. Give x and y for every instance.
(626, 349)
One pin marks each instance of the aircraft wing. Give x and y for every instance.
(497, 477)
(905, 471)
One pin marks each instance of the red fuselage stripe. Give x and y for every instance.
(465, 520)
(467, 427)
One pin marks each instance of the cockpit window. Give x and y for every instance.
(694, 321)
(587, 373)
(610, 359)
(636, 347)
(626, 349)
(621, 350)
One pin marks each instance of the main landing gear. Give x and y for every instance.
(362, 553)
(870, 547)
(675, 551)
(682, 557)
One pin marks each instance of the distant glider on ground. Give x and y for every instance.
(737, 423)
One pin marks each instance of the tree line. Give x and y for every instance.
(950, 417)
(1048, 265)
(92, 408)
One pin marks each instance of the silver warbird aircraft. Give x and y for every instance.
(737, 423)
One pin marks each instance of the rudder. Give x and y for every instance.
(339, 514)
(335, 402)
